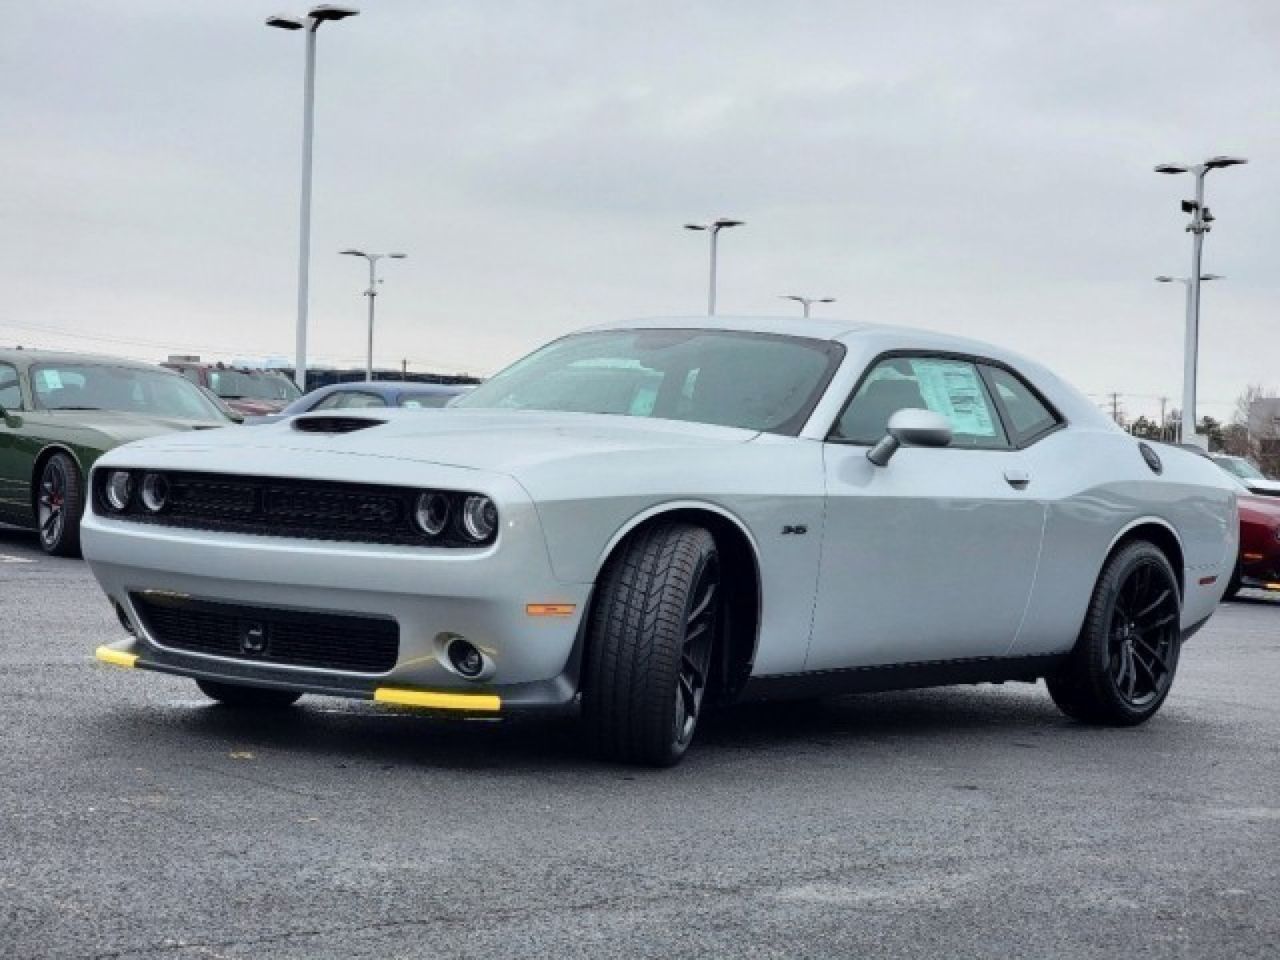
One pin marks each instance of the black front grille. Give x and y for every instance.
(356, 644)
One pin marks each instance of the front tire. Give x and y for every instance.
(1124, 661)
(59, 504)
(253, 698)
(654, 624)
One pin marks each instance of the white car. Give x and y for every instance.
(638, 520)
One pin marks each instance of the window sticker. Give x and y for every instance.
(50, 379)
(954, 390)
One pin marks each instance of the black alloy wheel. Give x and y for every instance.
(59, 504)
(654, 626)
(1125, 659)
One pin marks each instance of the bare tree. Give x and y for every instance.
(1256, 438)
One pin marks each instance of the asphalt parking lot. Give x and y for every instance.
(138, 821)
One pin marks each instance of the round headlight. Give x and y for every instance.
(155, 492)
(119, 489)
(431, 513)
(479, 518)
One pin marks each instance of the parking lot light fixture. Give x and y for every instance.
(1201, 219)
(1189, 344)
(807, 302)
(310, 24)
(371, 293)
(713, 228)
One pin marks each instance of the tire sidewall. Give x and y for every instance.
(68, 542)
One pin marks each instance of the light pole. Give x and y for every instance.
(1201, 219)
(807, 302)
(310, 23)
(713, 228)
(371, 293)
(1191, 346)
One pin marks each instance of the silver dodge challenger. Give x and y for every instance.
(639, 521)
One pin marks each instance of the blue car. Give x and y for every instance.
(364, 394)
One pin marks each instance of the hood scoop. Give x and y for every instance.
(334, 424)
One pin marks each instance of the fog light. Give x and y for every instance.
(431, 513)
(119, 490)
(479, 518)
(465, 658)
(155, 492)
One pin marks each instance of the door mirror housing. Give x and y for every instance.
(911, 428)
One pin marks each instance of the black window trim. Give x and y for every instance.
(1015, 442)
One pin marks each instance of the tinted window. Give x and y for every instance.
(752, 381)
(952, 388)
(126, 389)
(239, 385)
(10, 391)
(348, 399)
(1028, 416)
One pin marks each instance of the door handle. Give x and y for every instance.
(1018, 479)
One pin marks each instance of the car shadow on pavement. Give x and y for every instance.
(357, 735)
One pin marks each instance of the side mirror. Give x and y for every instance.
(911, 428)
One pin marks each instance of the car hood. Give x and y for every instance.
(254, 408)
(497, 441)
(123, 427)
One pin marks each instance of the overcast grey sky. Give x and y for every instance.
(981, 168)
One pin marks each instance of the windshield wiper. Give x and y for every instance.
(75, 408)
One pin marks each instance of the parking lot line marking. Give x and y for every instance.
(6, 558)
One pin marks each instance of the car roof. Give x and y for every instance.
(391, 386)
(21, 356)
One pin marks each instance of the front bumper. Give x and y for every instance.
(485, 596)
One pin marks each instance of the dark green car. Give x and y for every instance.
(60, 411)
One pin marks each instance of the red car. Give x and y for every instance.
(1259, 564)
(251, 393)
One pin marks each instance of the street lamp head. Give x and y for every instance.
(1218, 162)
(286, 22)
(332, 11)
(1211, 276)
(827, 300)
(791, 296)
(695, 226)
(724, 222)
(1163, 279)
(352, 253)
(1172, 168)
(397, 256)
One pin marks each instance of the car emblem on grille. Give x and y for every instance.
(253, 637)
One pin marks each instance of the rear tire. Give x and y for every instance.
(654, 625)
(1124, 661)
(254, 698)
(59, 504)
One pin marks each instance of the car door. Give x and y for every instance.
(15, 463)
(933, 556)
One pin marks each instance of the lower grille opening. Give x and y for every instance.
(348, 642)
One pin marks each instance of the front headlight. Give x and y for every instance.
(479, 518)
(155, 492)
(431, 513)
(119, 490)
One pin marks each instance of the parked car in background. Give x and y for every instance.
(640, 519)
(366, 394)
(252, 393)
(60, 411)
(1250, 476)
(1259, 564)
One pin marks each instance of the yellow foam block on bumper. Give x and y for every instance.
(484, 702)
(116, 658)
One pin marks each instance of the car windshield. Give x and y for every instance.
(416, 400)
(84, 386)
(749, 380)
(1241, 468)
(239, 385)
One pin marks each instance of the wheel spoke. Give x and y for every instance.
(704, 604)
(689, 696)
(692, 670)
(1152, 607)
(1154, 654)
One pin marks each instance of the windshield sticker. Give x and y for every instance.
(51, 380)
(954, 390)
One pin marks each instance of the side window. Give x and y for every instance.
(1027, 415)
(953, 388)
(10, 391)
(348, 399)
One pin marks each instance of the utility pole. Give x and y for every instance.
(1115, 406)
(1164, 423)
